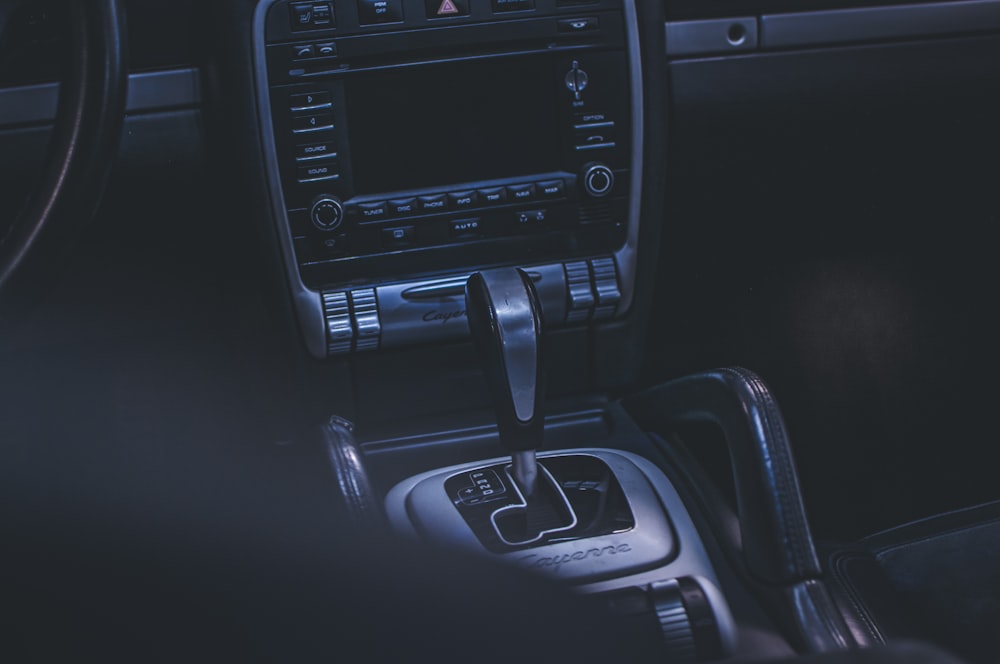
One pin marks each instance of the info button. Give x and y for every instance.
(461, 200)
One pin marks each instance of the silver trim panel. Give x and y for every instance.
(307, 302)
(147, 92)
(665, 543)
(711, 36)
(878, 23)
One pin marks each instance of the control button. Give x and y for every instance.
(339, 331)
(598, 180)
(303, 52)
(311, 101)
(446, 8)
(493, 196)
(304, 124)
(461, 200)
(551, 189)
(589, 118)
(315, 151)
(399, 237)
(366, 319)
(571, 25)
(326, 50)
(318, 172)
(500, 6)
(402, 206)
(521, 192)
(436, 203)
(576, 80)
(327, 213)
(528, 217)
(595, 142)
(581, 295)
(311, 15)
(380, 11)
(606, 287)
(464, 228)
(332, 246)
(373, 211)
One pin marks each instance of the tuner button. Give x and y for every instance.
(327, 213)
(598, 180)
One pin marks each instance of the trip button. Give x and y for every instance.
(304, 124)
(380, 11)
(461, 200)
(521, 192)
(436, 203)
(493, 196)
(402, 207)
(551, 189)
(372, 211)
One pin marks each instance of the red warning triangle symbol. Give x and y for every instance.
(447, 7)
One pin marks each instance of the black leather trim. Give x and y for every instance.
(777, 542)
(84, 143)
(360, 501)
(887, 542)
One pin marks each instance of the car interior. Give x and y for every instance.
(450, 330)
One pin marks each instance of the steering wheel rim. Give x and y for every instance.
(85, 139)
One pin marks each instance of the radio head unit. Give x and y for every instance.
(409, 147)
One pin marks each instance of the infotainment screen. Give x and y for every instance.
(443, 124)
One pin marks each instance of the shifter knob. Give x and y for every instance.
(506, 325)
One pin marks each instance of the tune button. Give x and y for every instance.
(598, 179)
(327, 213)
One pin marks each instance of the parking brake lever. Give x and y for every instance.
(505, 321)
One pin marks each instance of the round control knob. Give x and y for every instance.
(327, 213)
(598, 180)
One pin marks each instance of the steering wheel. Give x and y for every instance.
(82, 149)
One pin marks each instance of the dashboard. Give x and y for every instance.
(304, 188)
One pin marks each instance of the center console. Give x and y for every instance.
(411, 142)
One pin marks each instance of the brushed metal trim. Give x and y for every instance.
(308, 303)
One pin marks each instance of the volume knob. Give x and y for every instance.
(598, 180)
(327, 213)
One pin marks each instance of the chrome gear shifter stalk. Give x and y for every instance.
(505, 322)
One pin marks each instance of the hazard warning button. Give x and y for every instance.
(446, 8)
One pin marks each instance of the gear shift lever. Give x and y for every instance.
(505, 321)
